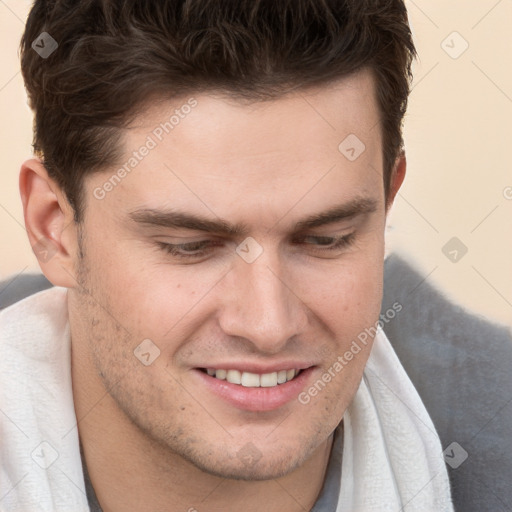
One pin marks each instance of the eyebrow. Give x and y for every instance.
(181, 220)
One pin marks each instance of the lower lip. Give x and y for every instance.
(256, 399)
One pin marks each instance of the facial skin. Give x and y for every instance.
(157, 436)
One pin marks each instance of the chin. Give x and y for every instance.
(254, 472)
(248, 463)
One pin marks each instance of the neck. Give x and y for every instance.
(131, 472)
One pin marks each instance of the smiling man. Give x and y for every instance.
(209, 197)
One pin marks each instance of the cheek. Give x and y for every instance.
(348, 304)
(348, 298)
(143, 293)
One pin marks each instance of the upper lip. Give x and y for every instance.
(258, 368)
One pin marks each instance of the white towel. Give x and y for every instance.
(40, 465)
(392, 458)
(392, 455)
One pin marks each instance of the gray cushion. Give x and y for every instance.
(20, 286)
(461, 366)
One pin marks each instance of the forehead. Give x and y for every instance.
(211, 152)
(219, 119)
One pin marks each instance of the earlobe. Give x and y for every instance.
(49, 223)
(397, 178)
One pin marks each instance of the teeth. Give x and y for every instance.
(220, 374)
(250, 380)
(253, 380)
(234, 376)
(269, 380)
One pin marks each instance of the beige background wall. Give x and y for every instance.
(458, 138)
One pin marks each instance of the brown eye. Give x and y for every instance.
(188, 250)
(327, 243)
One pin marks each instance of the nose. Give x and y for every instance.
(260, 305)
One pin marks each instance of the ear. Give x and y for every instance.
(397, 178)
(50, 224)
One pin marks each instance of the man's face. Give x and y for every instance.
(213, 254)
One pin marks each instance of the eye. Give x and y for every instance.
(201, 248)
(326, 243)
(190, 249)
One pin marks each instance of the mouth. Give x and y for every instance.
(253, 380)
(253, 391)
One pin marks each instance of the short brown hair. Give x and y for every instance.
(114, 55)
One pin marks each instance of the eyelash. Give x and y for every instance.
(204, 246)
